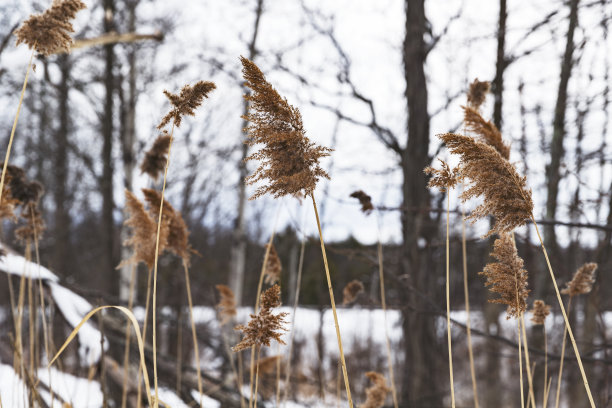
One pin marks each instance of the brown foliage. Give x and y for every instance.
(351, 291)
(506, 277)
(540, 311)
(263, 326)
(289, 161)
(443, 179)
(582, 282)
(377, 393)
(273, 268)
(49, 33)
(505, 193)
(155, 159)
(186, 102)
(477, 93)
(485, 131)
(227, 304)
(365, 201)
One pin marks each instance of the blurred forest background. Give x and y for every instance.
(375, 81)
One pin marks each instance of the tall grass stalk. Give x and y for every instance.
(448, 323)
(567, 323)
(333, 305)
(518, 332)
(144, 333)
(256, 376)
(545, 399)
(128, 333)
(467, 309)
(527, 363)
(193, 331)
(560, 376)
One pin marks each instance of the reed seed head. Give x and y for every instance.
(49, 33)
(155, 159)
(582, 282)
(507, 277)
(264, 326)
(377, 393)
(485, 131)
(540, 311)
(477, 93)
(505, 194)
(186, 102)
(272, 272)
(289, 161)
(227, 304)
(365, 201)
(443, 179)
(351, 291)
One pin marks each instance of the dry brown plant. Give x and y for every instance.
(507, 277)
(186, 102)
(539, 312)
(377, 393)
(351, 291)
(273, 267)
(582, 282)
(477, 93)
(155, 158)
(505, 194)
(444, 178)
(485, 131)
(227, 304)
(49, 33)
(365, 201)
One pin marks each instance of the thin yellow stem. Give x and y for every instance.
(128, 334)
(144, 333)
(333, 305)
(467, 309)
(10, 144)
(256, 376)
(278, 368)
(193, 331)
(545, 400)
(567, 324)
(547, 392)
(527, 363)
(240, 379)
(569, 306)
(448, 325)
(518, 330)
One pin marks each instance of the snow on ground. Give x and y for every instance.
(15, 264)
(78, 392)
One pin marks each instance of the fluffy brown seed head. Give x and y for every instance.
(582, 282)
(351, 291)
(155, 159)
(264, 326)
(478, 93)
(49, 33)
(227, 304)
(289, 161)
(443, 179)
(23, 190)
(178, 233)
(365, 201)
(485, 131)
(273, 268)
(143, 229)
(377, 393)
(186, 102)
(34, 223)
(540, 311)
(505, 194)
(506, 277)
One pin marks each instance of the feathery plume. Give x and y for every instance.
(22, 189)
(478, 93)
(34, 224)
(351, 291)
(485, 130)
(49, 33)
(273, 268)
(505, 194)
(365, 201)
(227, 304)
(540, 311)
(377, 393)
(263, 326)
(155, 159)
(506, 277)
(178, 233)
(582, 282)
(143, 231)
(289, 160)
(444, 179)
(186, 102)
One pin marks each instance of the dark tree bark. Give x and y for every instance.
(500, 66)
(553, 176)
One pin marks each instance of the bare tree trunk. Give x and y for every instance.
(239, 239)
(553, 176)
(421, 354)
(500, 66)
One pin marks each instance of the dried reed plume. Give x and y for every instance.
(582, 282)
(477, 93)
(178, 233)
(273, 267)
(540, 311)
(227, 304)
(155, 159)
(49, 33)
(505, 193)
(485, 131)
(365, 201)
(351, 291)
(264, 326)
(377, 393)
(289, 160)
(22, 189)
(443, 179)
(506, 277)
(186, 102)
(143, 230)
(34, 224)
